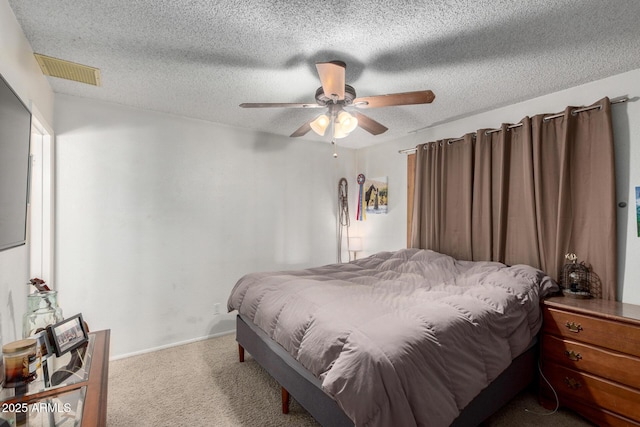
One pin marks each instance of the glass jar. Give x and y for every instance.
(42, 311)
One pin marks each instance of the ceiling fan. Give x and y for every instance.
(335, 95)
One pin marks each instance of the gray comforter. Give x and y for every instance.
(399, 338)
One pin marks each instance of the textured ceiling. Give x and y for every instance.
(201, 58)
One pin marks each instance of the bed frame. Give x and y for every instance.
(296, 381)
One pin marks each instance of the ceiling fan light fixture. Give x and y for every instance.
(335, 95)
(347, 122)
(338, 131)
(320, 124)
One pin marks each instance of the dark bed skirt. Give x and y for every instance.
(307, 390)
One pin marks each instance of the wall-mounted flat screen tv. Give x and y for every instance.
(15, 136)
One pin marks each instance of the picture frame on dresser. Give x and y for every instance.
(68, 334)
(43, 346)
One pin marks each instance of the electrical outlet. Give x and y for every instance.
(216, 308)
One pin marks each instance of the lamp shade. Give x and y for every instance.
(355, 244)
(319, 125)
(347, 122)
(338, 132)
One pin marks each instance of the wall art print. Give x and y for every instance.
(376, 195)
(638, 209)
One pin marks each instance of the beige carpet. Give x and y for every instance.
(203, 384)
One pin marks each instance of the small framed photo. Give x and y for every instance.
(68, 334)
(43, 347)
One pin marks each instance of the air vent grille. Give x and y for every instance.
(60, 68)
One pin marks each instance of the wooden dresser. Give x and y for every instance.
(590, 353)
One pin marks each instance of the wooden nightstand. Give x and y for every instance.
(590, 354)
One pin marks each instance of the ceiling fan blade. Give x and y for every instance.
(302, 130)
(405, 98)
(279, 105)
(332, 78)
(370, 125)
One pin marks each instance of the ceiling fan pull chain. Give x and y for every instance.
(333, 133)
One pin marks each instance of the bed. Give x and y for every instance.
(410, 337)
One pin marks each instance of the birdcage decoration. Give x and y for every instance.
(576, 278)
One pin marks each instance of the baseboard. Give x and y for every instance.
(163, 347)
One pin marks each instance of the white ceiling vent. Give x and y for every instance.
(60, 68)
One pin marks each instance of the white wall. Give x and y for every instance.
(389, 233)
(158, 216)
(20, 70)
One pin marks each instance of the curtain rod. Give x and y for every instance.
(547, 118)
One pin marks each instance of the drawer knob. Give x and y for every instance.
(572, 383)
(572, 355)
(573, 326)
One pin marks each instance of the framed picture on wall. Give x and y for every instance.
(68, 334)
(376, 195)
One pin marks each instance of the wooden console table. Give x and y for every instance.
(80, 399)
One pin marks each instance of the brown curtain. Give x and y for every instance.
(524, 194)
(443, 196)
(504, 217)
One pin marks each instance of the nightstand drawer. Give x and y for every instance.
(590, 390)
(603, 333)
(611, 365)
